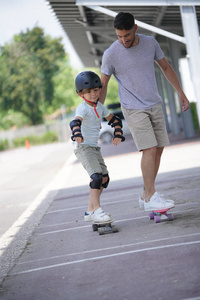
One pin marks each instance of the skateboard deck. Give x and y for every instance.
(160, 214)
(104, 228)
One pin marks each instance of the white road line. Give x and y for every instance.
(114, 202)
(196, 298)
(85, 226)
(64, 209)
(105, 256)
(66, 229)
(80, 207)
(111, 248)
(117, 221)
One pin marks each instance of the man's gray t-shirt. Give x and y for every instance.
(91, 124)
(134, 71)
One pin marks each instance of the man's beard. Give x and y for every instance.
(130, 44)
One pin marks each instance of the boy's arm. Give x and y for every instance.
(104, 81)
(116, 122)
(75, 126)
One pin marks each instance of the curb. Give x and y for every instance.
(14, 240)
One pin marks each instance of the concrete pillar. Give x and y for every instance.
(160, 90)
(186, 117)
(191, 32)
(175, 124)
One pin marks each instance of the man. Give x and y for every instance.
(131, 60)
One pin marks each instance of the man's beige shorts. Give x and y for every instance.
(147, 127)
(91, 159)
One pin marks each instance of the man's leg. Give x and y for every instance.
(158, 158)
(150, 164)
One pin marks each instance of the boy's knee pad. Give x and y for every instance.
(97, 181)
(104, 185)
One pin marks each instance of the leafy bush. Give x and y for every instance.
(4, 145)
(12, 118)
(48, 137)
(19, 142)
(194, 115)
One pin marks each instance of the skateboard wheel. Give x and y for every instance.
(170, 217)
(101, 231)
(157, 219)
(94, 227)
(115, 229)
(151, 216)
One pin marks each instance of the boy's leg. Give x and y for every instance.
(96, 188)
(94, 195)
(94, 199)
(94, 164)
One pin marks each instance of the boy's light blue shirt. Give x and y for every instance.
(91, 124)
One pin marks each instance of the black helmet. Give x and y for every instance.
(87, 80)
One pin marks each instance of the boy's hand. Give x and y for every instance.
(116, 141)
(79, 140)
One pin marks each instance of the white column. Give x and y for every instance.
(191, 32)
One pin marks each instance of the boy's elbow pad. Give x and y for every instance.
(75, 123)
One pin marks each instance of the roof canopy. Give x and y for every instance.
(89, 23)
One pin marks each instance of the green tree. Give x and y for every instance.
(64, 87)
(27, 67)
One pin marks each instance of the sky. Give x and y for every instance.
(19, 15)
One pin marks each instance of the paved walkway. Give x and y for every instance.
(58, 256)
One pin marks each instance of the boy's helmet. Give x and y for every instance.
(87, 80)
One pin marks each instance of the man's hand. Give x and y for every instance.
(184, 102)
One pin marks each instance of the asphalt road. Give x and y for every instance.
(50, 252)
(59, 256)
(23, 174)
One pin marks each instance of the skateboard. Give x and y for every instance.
(104, 228)
(160, 214)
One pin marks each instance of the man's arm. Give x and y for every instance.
(170, 74)
(104, 81)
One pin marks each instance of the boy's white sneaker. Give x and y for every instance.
(141, 201)
(100, 216)
(88, 216)
(157, 202)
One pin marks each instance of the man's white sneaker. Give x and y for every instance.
(100, 216)
(157, 202)
(141, 202)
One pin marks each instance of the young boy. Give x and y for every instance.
(85, 132)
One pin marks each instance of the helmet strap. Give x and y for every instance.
(94, 103)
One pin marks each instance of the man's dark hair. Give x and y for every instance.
(124, 21)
